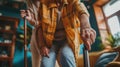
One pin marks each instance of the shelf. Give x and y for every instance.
(5, 58)
(7, 31)
(7, 38)
(6, 44)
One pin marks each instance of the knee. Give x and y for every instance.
(66, 52)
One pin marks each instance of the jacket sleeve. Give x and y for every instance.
(39, 37)
(79, 8)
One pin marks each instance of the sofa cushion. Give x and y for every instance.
(105, 58)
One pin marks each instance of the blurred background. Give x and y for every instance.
(104, 18)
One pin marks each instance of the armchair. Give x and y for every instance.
(116, 61)
(95, 55)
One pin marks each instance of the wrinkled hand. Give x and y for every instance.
(26, 14)
(88, 36)
(44, 51)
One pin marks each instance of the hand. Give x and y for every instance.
(44, 51)
(26, 14)
(88, 36)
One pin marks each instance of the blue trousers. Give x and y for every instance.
(67, 58)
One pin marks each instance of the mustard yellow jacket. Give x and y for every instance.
(70, 11)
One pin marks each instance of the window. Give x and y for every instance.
(114, 25)
(112, 15)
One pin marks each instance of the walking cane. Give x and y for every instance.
(25, 42)
(27, 2)
(25, 38)
(86, 57)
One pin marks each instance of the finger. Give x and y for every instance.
(42, 52)
(83, 34)
(92, 37)
(87, 33)
(28, 13)
(47, 53)
(23, 14)
(94, 32)
(22, 11)
(88, 45)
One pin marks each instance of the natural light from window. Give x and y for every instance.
(112, 7)
(114, 25)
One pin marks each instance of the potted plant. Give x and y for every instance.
(111, 41)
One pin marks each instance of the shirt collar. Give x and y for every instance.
(65, 2)
(52, 5)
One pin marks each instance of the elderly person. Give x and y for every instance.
(61, 26)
